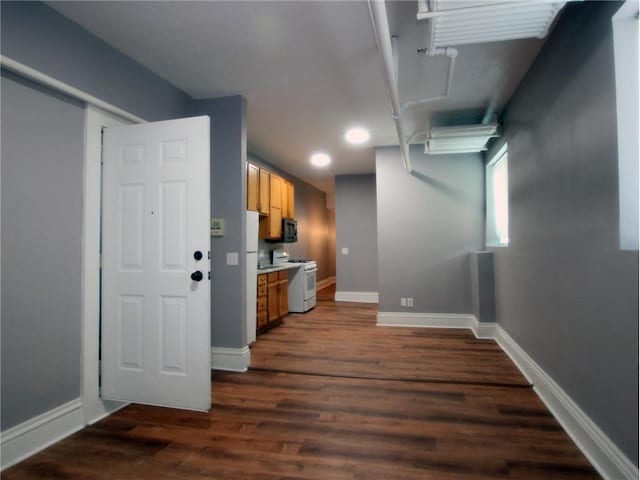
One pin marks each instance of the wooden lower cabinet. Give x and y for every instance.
(273, 299)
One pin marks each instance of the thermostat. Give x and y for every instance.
(217, 227)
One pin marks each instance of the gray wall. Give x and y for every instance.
(42, 168)
(356, 229)
(38, 36)
(42, 150)
(565, 292)
(314, 236)
(331, 241)
(228, 201)
(428, 222)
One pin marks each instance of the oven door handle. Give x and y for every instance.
(311, 271)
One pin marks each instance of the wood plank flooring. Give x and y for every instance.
(372, 403)
(342, 339)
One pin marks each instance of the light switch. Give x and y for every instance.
(232, 258)
(345, 251)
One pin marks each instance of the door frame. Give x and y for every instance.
(94, 408)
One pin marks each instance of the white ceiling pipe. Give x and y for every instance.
(380, 23)
(452, 53)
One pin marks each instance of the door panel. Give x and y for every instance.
(155, 318)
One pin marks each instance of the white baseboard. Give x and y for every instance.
(230, 359)
(603, 454)
(30, 437)
(359, 297)
(429, 320)
(325, 283)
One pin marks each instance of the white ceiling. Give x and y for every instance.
(308, 69)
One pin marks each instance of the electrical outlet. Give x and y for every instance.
(261, 253)
(403, 302)
(410, 302)
(345, 251)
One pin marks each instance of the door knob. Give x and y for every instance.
(197, 276)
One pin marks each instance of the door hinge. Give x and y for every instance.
(209, 275)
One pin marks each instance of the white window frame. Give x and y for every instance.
(625, 48)
(497, 219)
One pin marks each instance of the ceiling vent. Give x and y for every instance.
(459, 139)
(462, 22)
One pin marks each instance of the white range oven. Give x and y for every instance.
(302, 281)
(302, 286)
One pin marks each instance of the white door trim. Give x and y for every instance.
(93, 406)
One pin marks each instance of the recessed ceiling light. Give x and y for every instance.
(320, 159)
(357, 135)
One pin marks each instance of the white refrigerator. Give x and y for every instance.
(252, 274)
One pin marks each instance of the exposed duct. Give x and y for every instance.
(456, 22)
(459, 139)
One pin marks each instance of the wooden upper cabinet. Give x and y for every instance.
(263, 199)
(272, 197)
(288, 197)
(275, 196)
(253, 187)
(275, 224)
(257, 189)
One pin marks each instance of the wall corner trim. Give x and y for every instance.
(358, 297)
(603, 454)
(230, 359)
(37, 433)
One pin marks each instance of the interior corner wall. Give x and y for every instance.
(42, 175)
(228, 201)
(428, 222)
(564, 290)
(356, 229)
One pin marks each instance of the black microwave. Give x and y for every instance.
(289, 230)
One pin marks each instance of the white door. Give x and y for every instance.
(155, 335)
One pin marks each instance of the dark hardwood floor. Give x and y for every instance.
(332, 396)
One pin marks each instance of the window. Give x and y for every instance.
(625, 47)
(497, 178)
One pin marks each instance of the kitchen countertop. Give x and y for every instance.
(277, 268)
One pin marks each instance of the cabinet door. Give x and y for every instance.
(275, 193)
(263, 198)
(253, 187)
(273, 306)
(275, 223)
